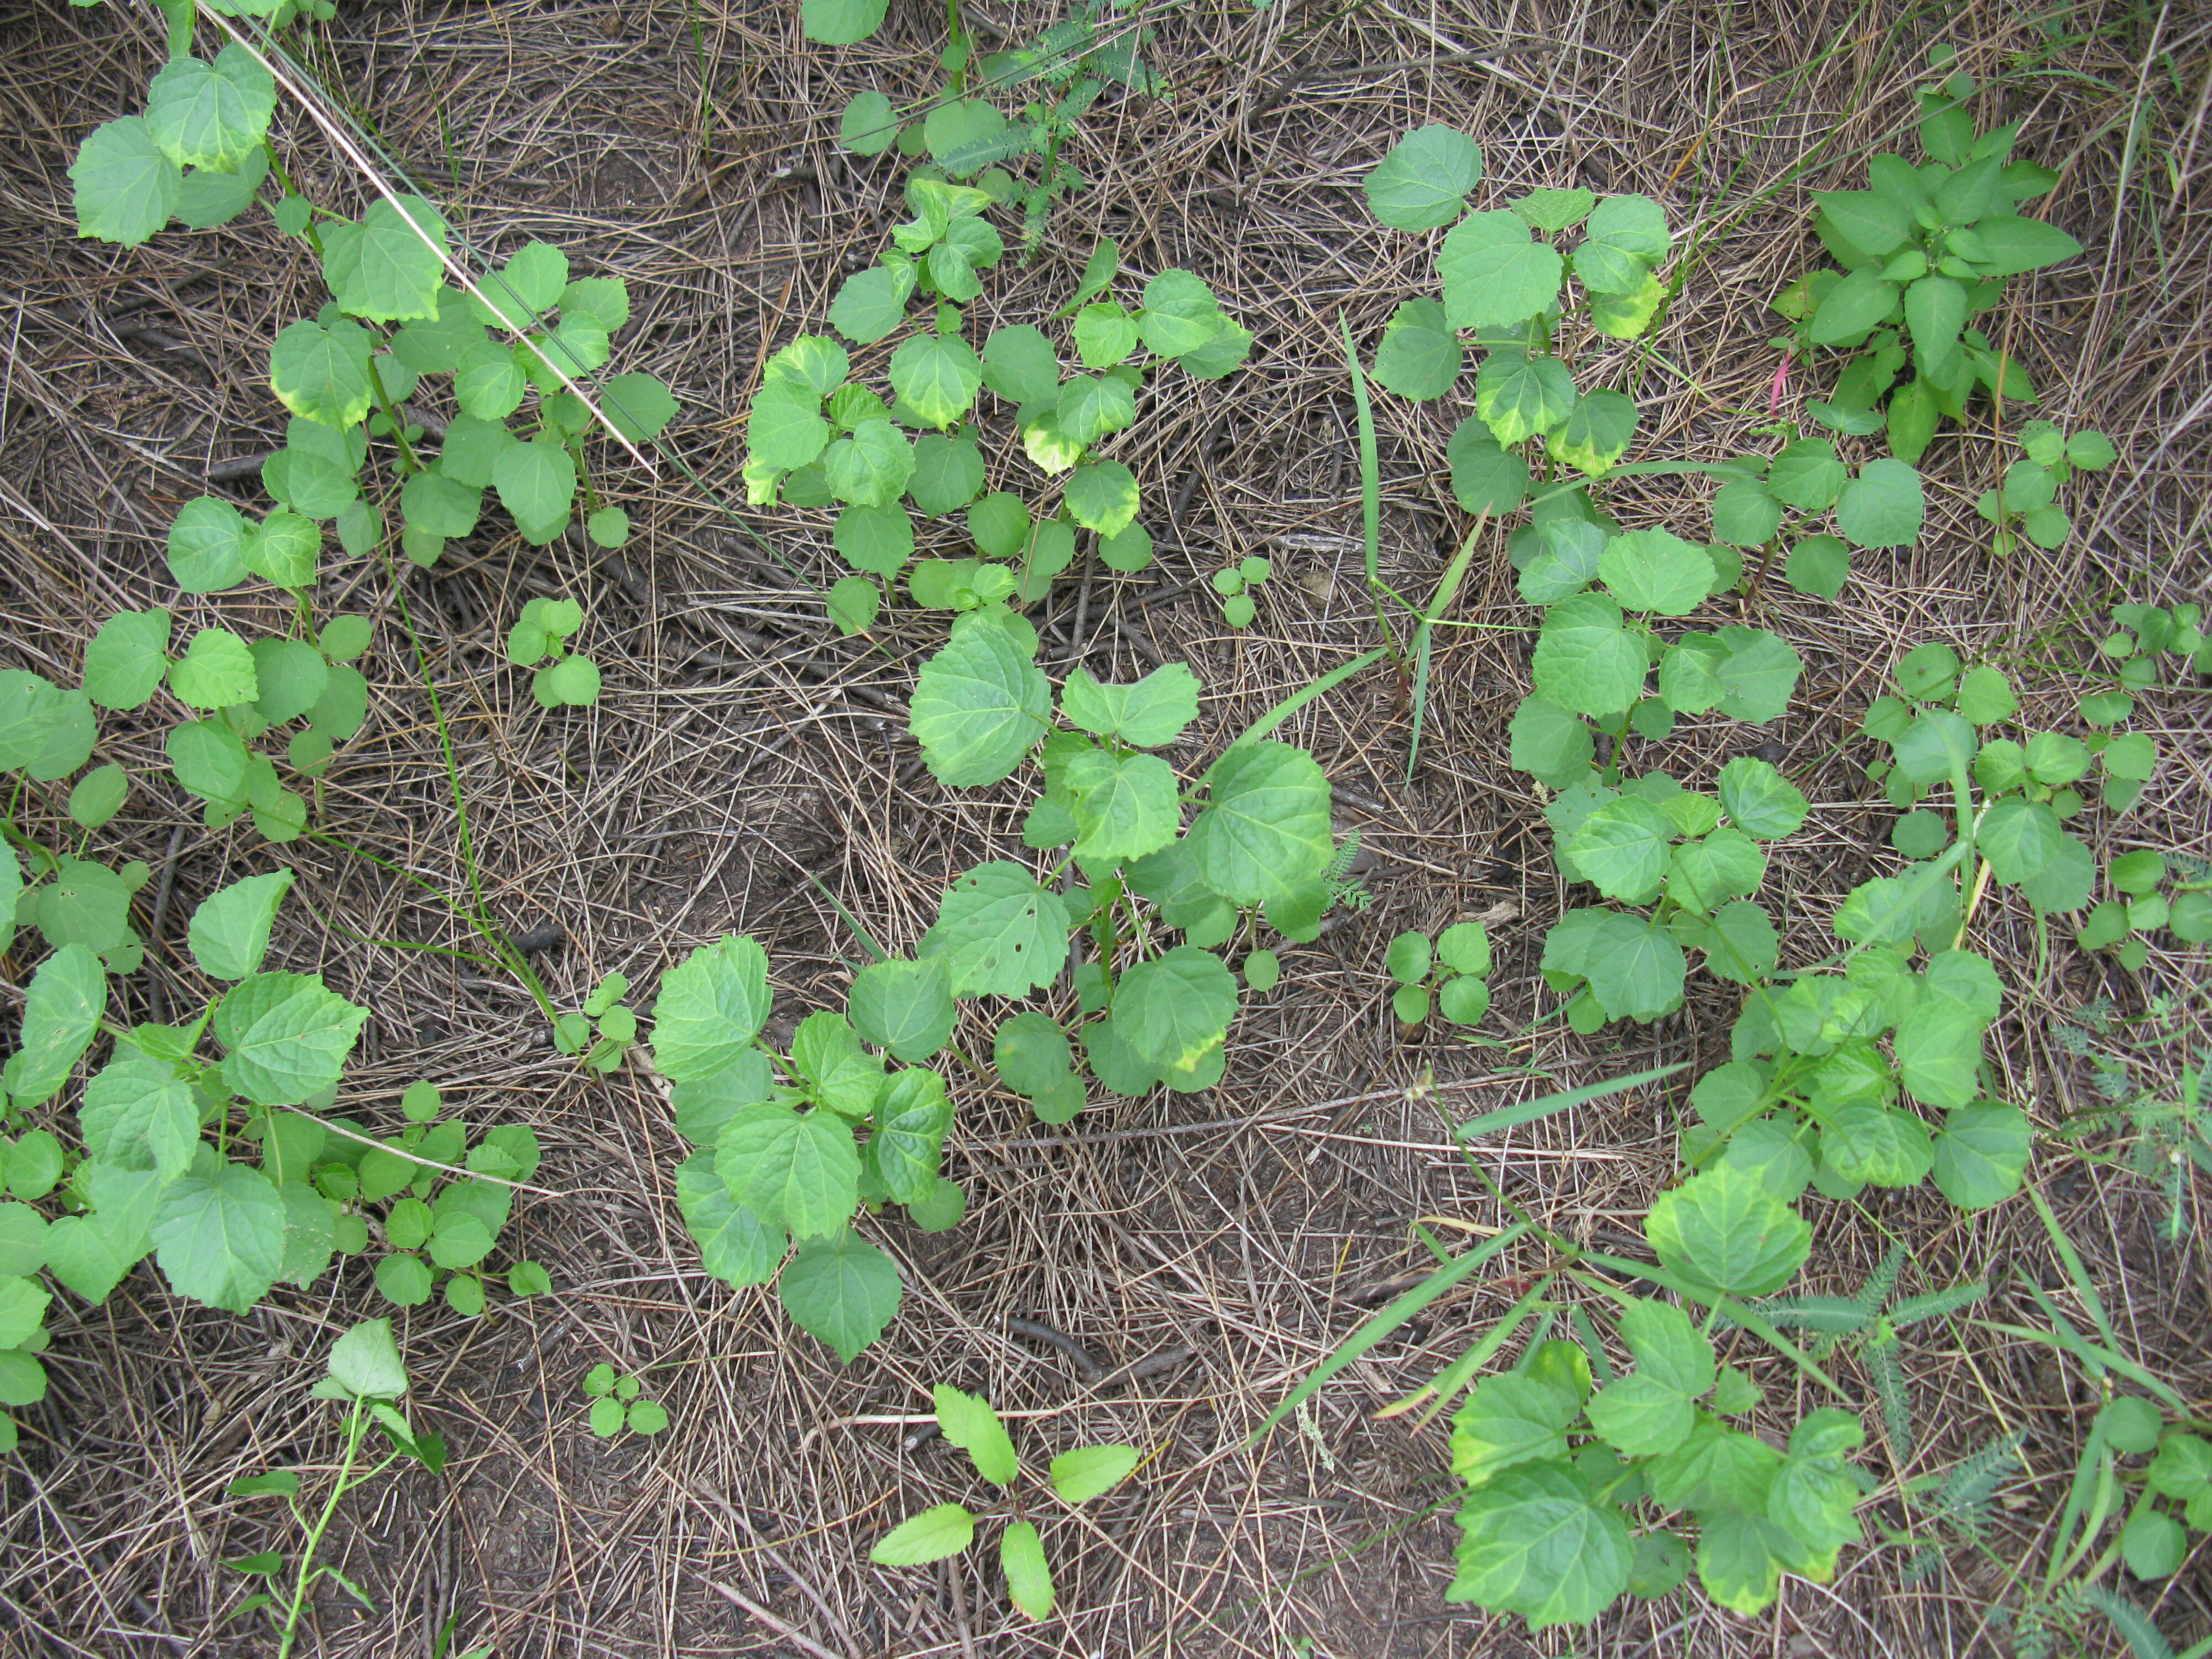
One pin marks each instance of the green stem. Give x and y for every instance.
(356, 1428)
(407, 458)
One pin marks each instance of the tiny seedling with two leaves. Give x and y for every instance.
(1076, 1477)
(1237, 584)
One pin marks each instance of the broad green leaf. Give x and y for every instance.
(798, 1171)
(1807, 475)
(871, 466)
(218, 1233)
(1858, 303)
(1087, 408)
(1101, 496)
(285, 548)
(1597, 432)
(1125, 806)
(1641, 1416)
(387, 268)
(784, 427)
(1936, 309)
(215, 672)
(1424, 181)
(971, 1424)
(1536, 1541)
(1031, 1052)
(1264, 831)
(999, 933)
(287, 1034)
(90, 1254)
(127, 188)
(1509, 1418)
(1622, 849)
(937, 376)
(1104, 334)
(1819, 565)
(1742, 945)
(1175, 1008)
(536, 481)
(1746, 513)
(1883, 506)
(440, 505)
(911, 1120)
(831, 1067)
(1623, 238)
(1090, 1472)
(211, 115)
(1152, 712)
(1585, 660)
(321, 373)
(123, 664)
(1626, 316)
(1495, 274)
(206, 549)
(710, 1007)
(1029, 1579)
(1485, 477)
(1876, 1145)
(1635, 967)
(948, 473)
(1520, 396)
(1549, 743)
(871, 303)
(1420, 355)
(61, 1014)
(209, 760)
(1656, 570)
(1181, 314)
(1741, 1558)
(1982, 1154)
(2020, 839)
(93, 800)
(365, 1363)
(1705, 874)
(208, 198)
(1569, 553)
(842, 1289)
(1723, 1228)
(980, 704)
(735, 1245)
(1555, 210)
(2012, 246)
(1020, 366)
(930, 1537)
(230, 930)
(1758, 800)
(905, 1007)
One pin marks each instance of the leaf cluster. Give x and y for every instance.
(1449, 977)
(618, 1403)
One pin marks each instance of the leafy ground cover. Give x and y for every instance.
(1486, 675)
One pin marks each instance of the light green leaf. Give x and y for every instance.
(1419, 357)
(930, 1537)
(1020, 366)
(842, 1289)
(905, 1007)
(999, 933)
(796, 1171)
(912, 1117)
(287, 1036)
(1495, 273)
(1175, 1008)
(710, 1007)
(872, 302)
(1151, 711)
(1264, 831)
(871, 466)
(1125, 806)
(1520, 396)
(1486, 478)
(218, 1233)
(1597, 433)
(1585, 662)
(1104, 333)
(1876, 1145)
(321, 373)
(980, 704)
(1626, 237)
(62, 1011)
(1703, 875)
(1807, 475)
(211, 115)
(1758, 800)
(230, 930)
(1656, 570)
(2012, 246)
(1622, 849)
(215, 671)
(125, 188)
(1555, 210)
(1724, 1229)
(1883, 506)
(1549, 743)
(1936, 309)
(1101, 496)
(1536, 1542)
(536, 482)
(1635, 967)
(971, 1424)
(1424, 181)
(1181, 314)
(735, 1245)
(387, 267)
(206, 549)
(1090, 1472)
(123, 664)
(937, 376)
(365, 1364)
(1028, 1580)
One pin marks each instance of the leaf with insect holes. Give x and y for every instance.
(1495, 274)
(980, 703)
(842, 1289)
(999, 933)
(1424, 181)
(214, 114)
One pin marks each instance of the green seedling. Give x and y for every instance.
(367, 1374)
(1236, 584)
(1076, 1478)
(1449, 978)
(569, 680)
(1073, 63)
(1924, 250)
(618, 1403)
(2026, 502)
(2123, 925)
(605, 1028)
(2165, 1133)
(2130, 655)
